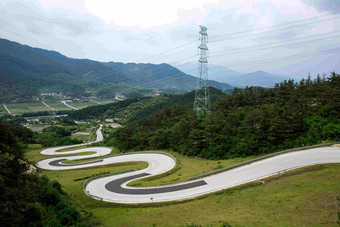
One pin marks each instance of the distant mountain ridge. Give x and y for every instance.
(258, 78)
(37, 69)
(160, 75)
(237, 79)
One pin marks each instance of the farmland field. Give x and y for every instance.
(37, 128)
(37, 107)
(80, 105)
(105, 101)
(21, 108)
(58, 106)
(18, 108)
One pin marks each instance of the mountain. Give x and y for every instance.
(131, 110)
(237, 79)
(258, 78)
(38, 69)
(163, 76)
(324, 64)
(216, 72)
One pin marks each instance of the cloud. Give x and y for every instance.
(130, 30)
(150, 39)
(147, 14)
(286, 35)
(324, 5)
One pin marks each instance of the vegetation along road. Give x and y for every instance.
(114, 188)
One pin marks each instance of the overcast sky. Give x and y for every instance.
(281, 36)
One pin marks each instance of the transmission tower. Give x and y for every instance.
(202, 96)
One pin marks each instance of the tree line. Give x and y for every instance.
(27, 198)
(131, 110)
(250, 121)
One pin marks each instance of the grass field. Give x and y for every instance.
(37, 128)
(58, 106)
(105, 101)
(189, 167)
(18, 108)
(37, 107)
(305, 197)
(80, 105)
(21, 108)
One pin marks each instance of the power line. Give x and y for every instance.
(276, 44)
(242, 64)
(230, 35)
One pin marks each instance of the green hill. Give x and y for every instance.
(136, 108)
(249, 122)
(40, 70)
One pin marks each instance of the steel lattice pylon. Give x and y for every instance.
(202, 96)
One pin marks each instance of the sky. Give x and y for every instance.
(288, 37)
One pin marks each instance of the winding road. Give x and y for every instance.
(114, 188)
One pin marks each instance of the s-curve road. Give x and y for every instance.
(114, 188)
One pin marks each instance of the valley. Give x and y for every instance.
(229, 203)
(169, 113)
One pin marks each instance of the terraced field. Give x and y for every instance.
(80, 105)
(105, 101)
(21, 108)
(37, 107)
(58, 106)
(18, 108)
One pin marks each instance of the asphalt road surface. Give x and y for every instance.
(114, 188)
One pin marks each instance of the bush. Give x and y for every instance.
(50, 196)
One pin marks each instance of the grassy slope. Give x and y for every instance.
(18, 108)
(37, 107)
(309, 197)
(22, 108)
(189, 167)
(58, 105)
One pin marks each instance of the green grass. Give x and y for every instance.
(84, 137)
(81, 160)
(58, 106)
(37, 107)
(18, 108)
(80, 105)
(21, 108)
(33, 153)
(72, 148)
(105, 101)
(304, 197)
(189, 167)
(37, 128)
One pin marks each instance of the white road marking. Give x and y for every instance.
(48, 106)
(64, 102)
(95, 102)
(7, 109)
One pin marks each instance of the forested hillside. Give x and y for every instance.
(248, 122)
(136, 108)
(27, 198)
(12, 91)
(33, 69)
